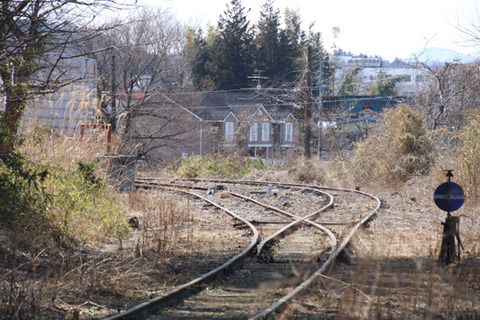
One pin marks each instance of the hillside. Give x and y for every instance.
(434, 55)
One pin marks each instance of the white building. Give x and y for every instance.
(373, 68)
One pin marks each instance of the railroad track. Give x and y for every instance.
(290, 247)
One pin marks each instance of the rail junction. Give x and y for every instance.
(291, 236)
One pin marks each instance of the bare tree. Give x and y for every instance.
(35, 37)
(452, 90)
(146, 49)
(141, 58)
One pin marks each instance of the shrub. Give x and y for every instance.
(214, 166)
(468, 156)
(82, 205)
(399, 149)
(24, 198)
(53, 189)
(308, 171)
(164, 218)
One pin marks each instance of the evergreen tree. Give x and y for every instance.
(292, 46)
(322, 68)
(197, 51)
(267, 42)
(228, 55)
(384, 87)
(349, 84)
(230, 59)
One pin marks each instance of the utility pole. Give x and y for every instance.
(113, 114)
(319, 105)
(307, 108)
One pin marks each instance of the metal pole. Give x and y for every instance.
(201, 137)
(113, 116)
(320, 101)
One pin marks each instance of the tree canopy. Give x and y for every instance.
(229, 62)
(233, 51)
(384, 87)
(350, 83)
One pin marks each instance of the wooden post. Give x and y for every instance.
(308, 104)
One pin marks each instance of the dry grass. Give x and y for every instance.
(51, 282)
(56, 274)
(163, 219)
(394, 274)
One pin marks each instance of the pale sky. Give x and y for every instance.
(374, 27)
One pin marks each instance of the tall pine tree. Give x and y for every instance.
(197, 51)
(292, 46)
(322, 68)
(267, 42)
(229, 53)
(230, 61)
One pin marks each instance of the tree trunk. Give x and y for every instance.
(16, 96)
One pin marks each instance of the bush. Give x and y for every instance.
(82, 206)
(24, 199)
(43, 198)
(214, 166)
(468, 156)
(398, 150)
(308, 171)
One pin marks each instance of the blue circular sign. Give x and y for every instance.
(449, 196)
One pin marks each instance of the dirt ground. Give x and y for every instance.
(393, 272)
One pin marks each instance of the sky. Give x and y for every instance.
(387, 28)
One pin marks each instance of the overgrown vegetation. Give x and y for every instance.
(215, 166)
(398, 150)
(45, 194)
(308, 171)
(163, 220)
(468, 156)
(22, 185)
(82, 206)
(55, 203)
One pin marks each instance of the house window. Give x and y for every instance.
(288, 132)
(253, 132)
(265, 131)
(229, 131)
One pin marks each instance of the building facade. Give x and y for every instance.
(201, 123)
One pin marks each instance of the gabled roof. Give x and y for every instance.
(217, 105)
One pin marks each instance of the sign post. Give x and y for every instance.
(449, 197)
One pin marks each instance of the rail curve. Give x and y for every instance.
(257, 246)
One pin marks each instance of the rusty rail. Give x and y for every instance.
(181, 292)
(193, 287)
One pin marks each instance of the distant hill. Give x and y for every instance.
(439, 56)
